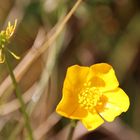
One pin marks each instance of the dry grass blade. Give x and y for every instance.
(46, 126)
(23, 66)
(36, 51)
(14, 104)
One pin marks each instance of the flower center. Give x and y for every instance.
(89, 97)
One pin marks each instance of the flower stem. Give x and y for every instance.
(72, 128)
(18, 94)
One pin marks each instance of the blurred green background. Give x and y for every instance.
(99, 31)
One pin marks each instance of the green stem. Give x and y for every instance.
(72, 128)
(19, 96)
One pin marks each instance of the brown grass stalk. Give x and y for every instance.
(37, 50)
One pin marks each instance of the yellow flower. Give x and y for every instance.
(91, 94)
(5, 36)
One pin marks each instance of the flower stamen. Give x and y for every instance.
(89, 97)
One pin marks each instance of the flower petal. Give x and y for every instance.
(103, 76)
(117, 102)
(92, 121)
(75, 78)
(110, 112)
(119, 98)
(68, 107)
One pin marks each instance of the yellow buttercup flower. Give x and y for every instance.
(92, 95)
(5, 36)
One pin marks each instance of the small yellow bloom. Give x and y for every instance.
(5, 36)
(91, 94)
